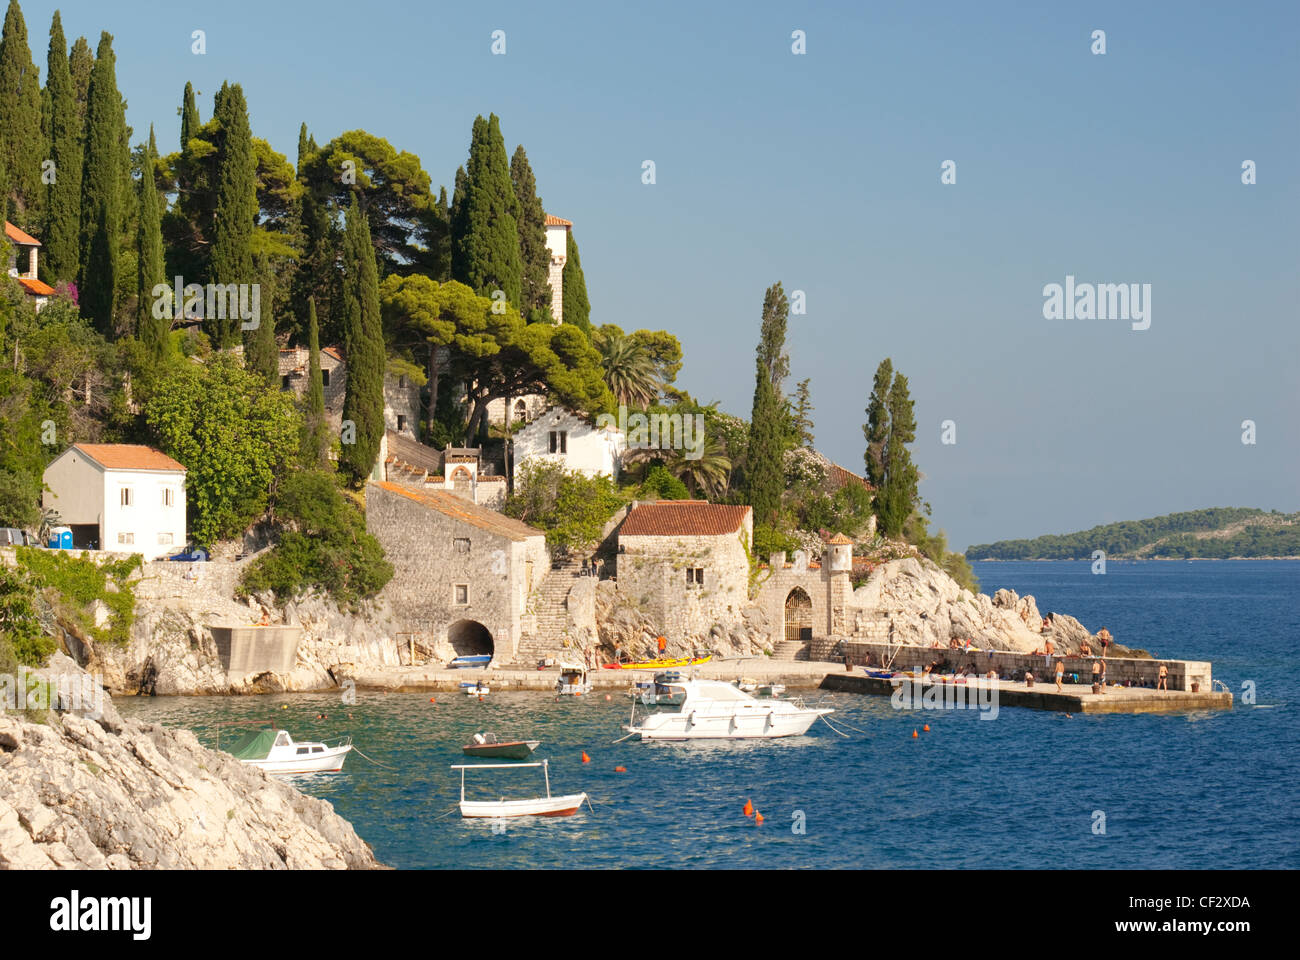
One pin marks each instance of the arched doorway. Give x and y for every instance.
(521, 410)
(798, 616)
(469, 638)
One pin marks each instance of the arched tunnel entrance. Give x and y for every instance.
(470, 638)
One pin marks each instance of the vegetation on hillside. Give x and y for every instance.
(1217, 532)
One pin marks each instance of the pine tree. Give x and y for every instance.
(363, 403)
(21, 143)
(489, 242)
(876, 429)
(573, 287)
(63, 195)
(534, 257)
(235, 212)
(190, 122)
(315, 443)
(100, 191)
(153, 332)
(897, 500)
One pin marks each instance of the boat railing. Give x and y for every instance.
(336, 742)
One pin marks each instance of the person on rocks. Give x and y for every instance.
(1104, 636)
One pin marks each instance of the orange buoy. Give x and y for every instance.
(585, 758)
(926, 728)
(620, 769)
(607, 697)
(915, 734)
(758, 817)
(433, 699)
(749, 809)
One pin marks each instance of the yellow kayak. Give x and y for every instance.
(660, 664)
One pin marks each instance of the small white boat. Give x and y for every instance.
(573, 680)
(718, 710)
(275, 752)
(479, 689)
(547, 806)
(770, 690)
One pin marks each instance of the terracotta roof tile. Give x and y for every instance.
(461, 509)
(128, 456)
(557, 221)
(17, 236)
(683, 518)
(36, 287)
(838, 477)
(839, 538)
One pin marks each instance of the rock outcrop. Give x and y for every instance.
(89, 790)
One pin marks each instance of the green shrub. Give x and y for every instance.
(323, 546)
(79, 581)
(662, 485)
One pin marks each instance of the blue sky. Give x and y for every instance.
(823, 171)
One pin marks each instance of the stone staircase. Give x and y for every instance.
(790, 650)
(548, 610)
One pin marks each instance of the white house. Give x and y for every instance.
(121, 497)
(563, 437)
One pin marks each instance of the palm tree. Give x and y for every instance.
(705, 475)
(630, 371)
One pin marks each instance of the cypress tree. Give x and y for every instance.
(771, 346)
(315, 444)
(261, 352)
(21, 143)
(363, 403)
(303, 150)
(100, 186)
(235, 211)
(456, 223)
(489, 240)
(4, 207)
(80, 62)
(63, 196)
(573, 287)
(764, 479)
(190, 122)
(898, 498)
(153, 332)
(534, 257)
(876, 429)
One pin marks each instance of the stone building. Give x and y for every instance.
(24, 259)
(462, 471)
(685, 563)
(401, 395)
(809, 597)
(463, 573)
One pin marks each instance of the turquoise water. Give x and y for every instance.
(1206, 789)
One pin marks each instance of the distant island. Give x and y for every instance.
(1215, 533)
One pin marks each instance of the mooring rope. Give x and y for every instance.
(372, 760)
(828, 723)
(850, 727)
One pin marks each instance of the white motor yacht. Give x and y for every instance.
(717, 710)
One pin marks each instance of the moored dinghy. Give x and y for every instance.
(487, 745)
(547, 806)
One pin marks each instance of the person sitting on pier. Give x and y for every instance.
(1164, 679)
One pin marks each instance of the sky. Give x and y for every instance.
(822, 170)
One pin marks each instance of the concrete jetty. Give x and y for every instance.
(1075, 698)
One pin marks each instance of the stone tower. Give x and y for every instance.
(557, 242)
(838, 570)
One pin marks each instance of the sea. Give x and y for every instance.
(1025, 789)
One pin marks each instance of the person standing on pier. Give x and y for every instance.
(1164, 679)
(1096, 672)
(1060, 674)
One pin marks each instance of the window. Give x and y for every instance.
(164, 540)
(301, 750)
(126, 538)
(694, 576)
(401, 383)
(126, 496)
(462, 594)
(461, 544)
(168, 497)
(559, 441)
(401, 422)
(284, 382)
(324, 378)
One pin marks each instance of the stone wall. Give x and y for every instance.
(1182, 673)
(652, 575)
(421, 544)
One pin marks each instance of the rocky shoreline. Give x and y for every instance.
(86, 789)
